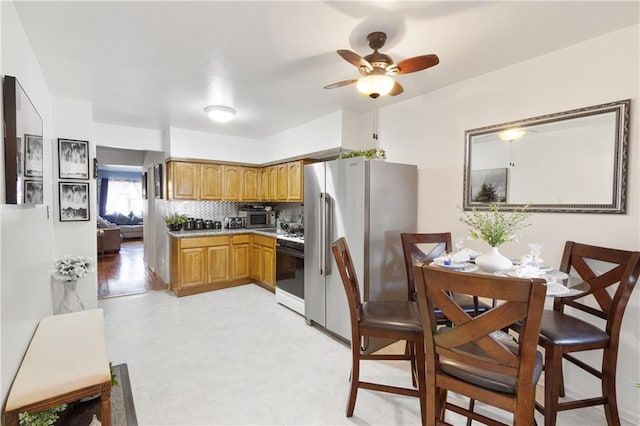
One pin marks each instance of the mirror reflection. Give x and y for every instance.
(574, 161)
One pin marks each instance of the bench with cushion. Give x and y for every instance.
(66, 360)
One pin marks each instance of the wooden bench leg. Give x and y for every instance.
(11, 418)
(105, 405)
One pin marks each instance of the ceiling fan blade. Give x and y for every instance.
(396, 89)
(341, 83)
(355, 59)
(417, 63)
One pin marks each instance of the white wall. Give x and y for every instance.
(319, 135)
(73, 119)
(429, 131)
(185, 143)
(118, 156)
(26, 232)
(110, 135)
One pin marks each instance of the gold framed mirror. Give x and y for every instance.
(570, 162)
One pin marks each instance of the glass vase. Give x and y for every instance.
(70, 301)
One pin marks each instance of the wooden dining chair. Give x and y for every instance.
(470, 358)
(612, 275)
(396, 320)
(439, 243)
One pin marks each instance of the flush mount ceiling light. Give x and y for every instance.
(220, 113)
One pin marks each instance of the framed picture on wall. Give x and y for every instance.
(489, 186)
(33, 156)
(73, 159)
(144, 186)
(33, 192)
(157, 180)
(74, 201)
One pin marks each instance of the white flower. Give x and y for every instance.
(71, 268)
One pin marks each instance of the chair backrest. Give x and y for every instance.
(469, 341)
(439, 243)
(349, 281)
(611, 289)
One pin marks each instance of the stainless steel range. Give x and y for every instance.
(290, 271)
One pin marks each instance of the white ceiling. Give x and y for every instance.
(158, 64)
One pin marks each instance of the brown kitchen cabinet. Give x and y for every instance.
(202, 264)
(263, 260)
(194, 181)
(273, 183)
(249, 184)
(295, 182)
(232, 182)
(263, 184)
(282, 182)
(240, 254)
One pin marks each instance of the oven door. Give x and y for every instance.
(290, 278)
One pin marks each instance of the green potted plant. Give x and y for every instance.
(175, 221)
(372, 153)
(495, 227)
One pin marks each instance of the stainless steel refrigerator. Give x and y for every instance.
(369, 202)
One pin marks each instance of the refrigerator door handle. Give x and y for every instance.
(328, 239)
(321, 233)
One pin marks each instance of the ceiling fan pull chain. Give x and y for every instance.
(375, 124)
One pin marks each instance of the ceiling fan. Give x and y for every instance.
(377, 68)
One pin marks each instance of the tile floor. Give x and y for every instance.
(234, 356)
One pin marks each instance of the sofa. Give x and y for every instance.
(131, 226)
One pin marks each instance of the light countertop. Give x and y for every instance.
(269, 232)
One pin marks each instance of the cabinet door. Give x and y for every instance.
(211, 182)
(263, 184)
(232, 181)
(283, 182)
(249, 184)
(295, 177)
(256, 263)
(193, 268)
(184, 180)
(240, 261)
(218, 264)
(273, 183)
(268, 266)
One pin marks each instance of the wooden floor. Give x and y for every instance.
(124, 273)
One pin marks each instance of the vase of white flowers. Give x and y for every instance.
(68, 270)
(495, 228)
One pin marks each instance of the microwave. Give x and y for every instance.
(259, 218)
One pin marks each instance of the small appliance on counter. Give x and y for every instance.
(258, 218)
(217, 224)
(235, 223)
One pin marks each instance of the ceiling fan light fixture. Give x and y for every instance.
(375, 85)
(511, 135)
(220, 113)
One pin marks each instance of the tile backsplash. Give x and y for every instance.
(218, 210)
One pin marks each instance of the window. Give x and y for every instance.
(124, 196)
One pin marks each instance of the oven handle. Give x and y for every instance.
(289, 251)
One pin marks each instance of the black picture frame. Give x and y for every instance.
(33, 191)
(73, 159)
(73, 201)
(95, 168)
(144, 186)
(157, 180)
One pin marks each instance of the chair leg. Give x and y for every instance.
(472, 405)
(552, 381)
(609, 388)
(355, 380)
(411, 351)
(561, 377)
(419, 363)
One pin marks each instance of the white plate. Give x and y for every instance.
(461, 267)
(556, 289)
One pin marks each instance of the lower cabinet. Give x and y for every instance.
(263, 260)
(202, 264)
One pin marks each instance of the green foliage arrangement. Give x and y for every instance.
(43, 418)
(368, 153)
(495, 227)
(176, 219)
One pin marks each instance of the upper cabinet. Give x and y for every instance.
(216, 182)
(211, 179)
